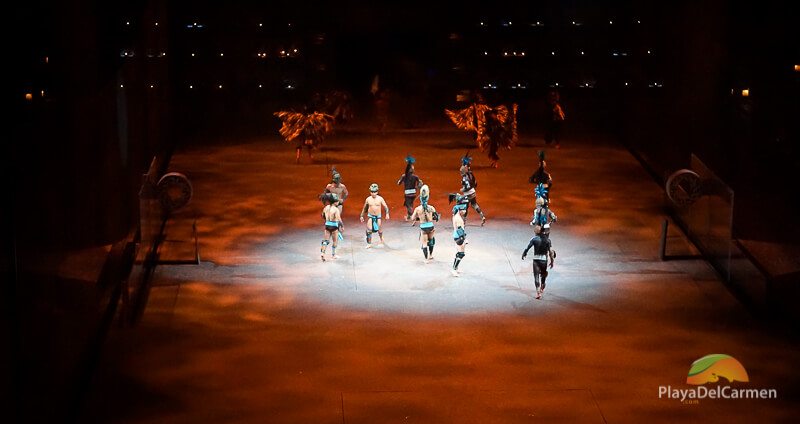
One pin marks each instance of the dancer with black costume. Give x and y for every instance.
(468, 186)
(411, 182)
(542, 180)
(542, 252)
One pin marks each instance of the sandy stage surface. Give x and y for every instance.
(263, 331)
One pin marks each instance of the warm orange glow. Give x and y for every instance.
(28, 96)
(745, 92)
(797, 68)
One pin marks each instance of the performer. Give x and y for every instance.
(542, 251)
(459, 233)
(425, 214)
(494, 127)
(338, 188)
(468, 186)
(333, 224)
(543, 217)
(305, 129)
(542, 180)
(555, 119)
(411, 182)
(372, 207)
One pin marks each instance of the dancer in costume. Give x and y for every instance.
(542, 180)
(305, 129)
(468, 186)
(494, 127)
(426, 215)
(333, 224)
(459, 232)
(411, 182)
(542, 252)
(372, 207)
(337, 187)
(543, 217)
(555, 119)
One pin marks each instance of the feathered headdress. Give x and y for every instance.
(541, 191)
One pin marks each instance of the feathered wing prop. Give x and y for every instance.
(311, 128)
(472, 118)
(506, 136)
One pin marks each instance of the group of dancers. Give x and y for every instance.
(426, 215)
(493, 127)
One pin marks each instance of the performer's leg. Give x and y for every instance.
(459, 256)
(493, 154)
(297, 156)
(409, 204)
(369, 238)
(380, 232)
(536, 276)
(324, 245)
(335, 237)
(431, 243)
(424, 240)
(474, 203)
(544, 275)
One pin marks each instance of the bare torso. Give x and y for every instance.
(373, 205)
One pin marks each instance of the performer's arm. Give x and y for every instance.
(525, 253)
(364, 210)
(383, 202)
(400, 181)
(552, 255)
(345, 193)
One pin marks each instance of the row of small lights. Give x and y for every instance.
(195, 25)
(588, 84)
(218, 86)
(614, 53)
(263, 55)
(745, 92)
(540, 24)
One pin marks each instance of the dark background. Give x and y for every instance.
(76, 150)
